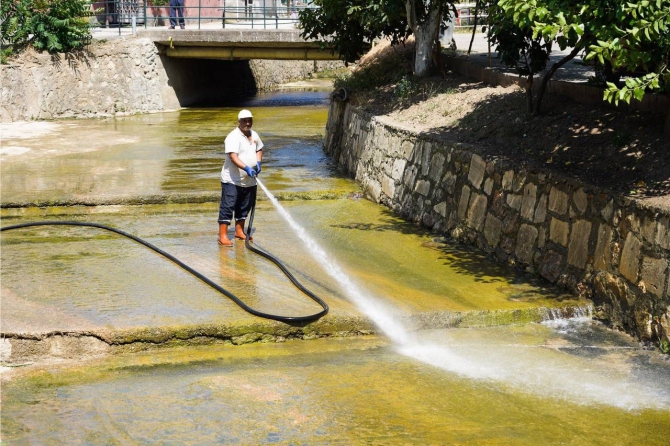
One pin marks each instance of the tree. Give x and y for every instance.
(55, 26)
(518, 48)
(349, 27)
(527, 30)
(639, 40)
(424, 18)
(632, 38)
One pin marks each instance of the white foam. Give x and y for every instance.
(545, 371)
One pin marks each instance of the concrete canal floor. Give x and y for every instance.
(111, 292)
(104, 341)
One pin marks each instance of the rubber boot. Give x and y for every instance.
(239, 231)
(223, 235)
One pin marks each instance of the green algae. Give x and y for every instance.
(84, 267)
(392, 258)
(354, 391)
(187, 361)
(429, 283)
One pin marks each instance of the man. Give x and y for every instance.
(176, 8)
(244, 153)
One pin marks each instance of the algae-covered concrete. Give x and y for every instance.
(532, 384)
(89, 284)
(68, 292)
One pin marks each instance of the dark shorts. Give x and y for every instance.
(237, 201)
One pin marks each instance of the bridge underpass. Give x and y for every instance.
(236, 44)
(207, 67)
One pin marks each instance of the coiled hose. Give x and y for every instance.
(231, 296)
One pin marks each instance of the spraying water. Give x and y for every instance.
(538, 371)
(378, 311)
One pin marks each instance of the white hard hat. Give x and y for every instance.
(244, 114)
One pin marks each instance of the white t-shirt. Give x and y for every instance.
(246, 148)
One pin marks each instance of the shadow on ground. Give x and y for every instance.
(462, 259)
(617, 148)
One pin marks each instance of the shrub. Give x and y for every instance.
(55, 26)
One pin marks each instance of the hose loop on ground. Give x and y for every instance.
(294, 320)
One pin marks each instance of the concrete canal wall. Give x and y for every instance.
(130, 75)
(609, 248)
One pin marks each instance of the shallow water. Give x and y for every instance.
(353, 391)
(107, 280)
(163, 153)
(565, 382)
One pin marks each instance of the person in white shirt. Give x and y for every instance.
(244, 153)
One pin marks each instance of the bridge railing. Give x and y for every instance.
(124, 16)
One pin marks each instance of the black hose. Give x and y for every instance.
(281, 266)
(245, 307)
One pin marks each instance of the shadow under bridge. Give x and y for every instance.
(237, 44)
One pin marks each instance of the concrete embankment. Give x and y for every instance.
(131, 75)
(609, 248)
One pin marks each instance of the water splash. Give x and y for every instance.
(513, 365)
(377, 310)
(561, 368)
(562, 318)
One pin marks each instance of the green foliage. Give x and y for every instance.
(405, 88)
(665, 347)
(631, 37)
(56, 26)
(515, 40)
(526, 31)
(637, 40)
(349, 26)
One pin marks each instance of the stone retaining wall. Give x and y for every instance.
(130, 75)
(118, 76)
(611, 249)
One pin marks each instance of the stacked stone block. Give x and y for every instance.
(609, 248)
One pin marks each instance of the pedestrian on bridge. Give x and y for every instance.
(244, 153)
(177, 12)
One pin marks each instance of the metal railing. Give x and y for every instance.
(124, 16)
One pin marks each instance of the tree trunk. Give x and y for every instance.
(666, 127)
(550, 73)
(529, 93)
(474, 28)
(424, 36)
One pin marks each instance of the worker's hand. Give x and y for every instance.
(251, 172)
(258, 168)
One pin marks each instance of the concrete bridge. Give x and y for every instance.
(237, 44)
